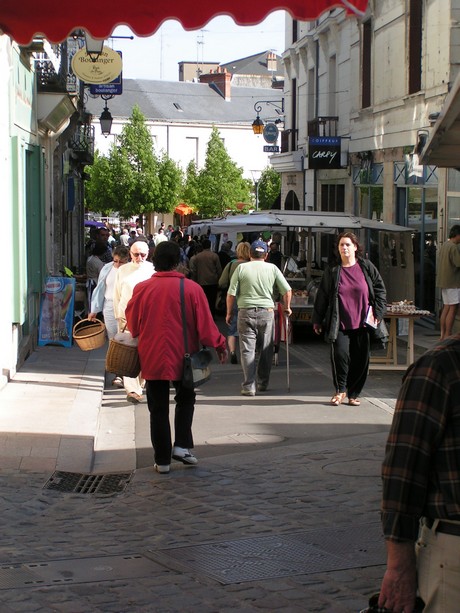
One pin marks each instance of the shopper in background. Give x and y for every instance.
(448, 280)
(205, 269)
(342, 302)
(243, 254)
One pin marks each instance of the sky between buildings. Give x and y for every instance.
(220, 41)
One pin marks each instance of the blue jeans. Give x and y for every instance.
(256, 328)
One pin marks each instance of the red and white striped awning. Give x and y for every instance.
(55, 19)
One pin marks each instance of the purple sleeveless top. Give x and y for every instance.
(353, 297)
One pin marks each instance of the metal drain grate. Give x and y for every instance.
(284, 555)
(101, 485)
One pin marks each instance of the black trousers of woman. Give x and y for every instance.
(160, 428)
(350, 361)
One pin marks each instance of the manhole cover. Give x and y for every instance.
(245, 439)
(284, 555)
(102, 485)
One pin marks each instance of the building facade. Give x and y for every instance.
(361, 96)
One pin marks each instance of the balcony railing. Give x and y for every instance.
(82, 144)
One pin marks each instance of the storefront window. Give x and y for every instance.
(368, 181)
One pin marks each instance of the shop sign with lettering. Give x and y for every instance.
(105, 69)
(324, 152)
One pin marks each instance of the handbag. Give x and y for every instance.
(374, 606)
(378, 335)
(196, 365)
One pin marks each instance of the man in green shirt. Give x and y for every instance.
(252, 286)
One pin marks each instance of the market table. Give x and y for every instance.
(390, 360)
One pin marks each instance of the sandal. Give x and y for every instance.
(338, 398)
(354, 402)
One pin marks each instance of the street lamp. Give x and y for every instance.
(256, 174)
(106, 118)
(94, 46)
(258, 124)
(106, 121)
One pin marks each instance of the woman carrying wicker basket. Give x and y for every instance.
(102, 297)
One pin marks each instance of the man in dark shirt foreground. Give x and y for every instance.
(421, 486)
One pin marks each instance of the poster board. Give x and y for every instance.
(57, 312)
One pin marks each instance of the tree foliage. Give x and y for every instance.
(171, 178)
(269, 188)
(127, 180)
(221, 183)
(190, 190)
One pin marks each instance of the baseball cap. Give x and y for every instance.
(259, 246)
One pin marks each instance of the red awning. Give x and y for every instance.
(56, 19)
(183, 209)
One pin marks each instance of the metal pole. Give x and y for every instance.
(287, 352)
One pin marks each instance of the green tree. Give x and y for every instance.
(190, 189)
(171, 178)
(135, 156)
(100, 190)
(269, 188)
(221, 182)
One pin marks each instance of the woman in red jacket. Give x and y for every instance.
(154, 316)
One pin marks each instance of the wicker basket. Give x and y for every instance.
(122, 359)
(89, 334)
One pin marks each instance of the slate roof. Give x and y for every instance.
(254, 65)
(188, 102)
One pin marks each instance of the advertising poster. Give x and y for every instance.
(57, 312)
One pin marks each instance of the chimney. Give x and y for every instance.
(271, 61)
(220, 81)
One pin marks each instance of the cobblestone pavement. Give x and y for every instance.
(281, 513)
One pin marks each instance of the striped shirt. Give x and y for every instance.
(421, 469)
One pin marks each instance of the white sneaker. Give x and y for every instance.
(163, 469)
(184, 455)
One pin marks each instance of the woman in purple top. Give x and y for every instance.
(346, 292)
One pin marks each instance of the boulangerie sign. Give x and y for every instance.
(324, 152)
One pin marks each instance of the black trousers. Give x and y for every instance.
(211, 295)
(160, 428)
(350, 361)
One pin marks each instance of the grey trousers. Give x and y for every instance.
(256, 329)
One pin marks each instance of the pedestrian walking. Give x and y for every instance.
(128, 276)
(154, 316)
(421, 492)
(448, 280)
(243, 251)
(205, 269)
(252, 286)
(102, 297)
(342, 302)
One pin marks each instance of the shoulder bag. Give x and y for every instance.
(196, 365)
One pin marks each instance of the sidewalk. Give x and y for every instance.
(281, 513)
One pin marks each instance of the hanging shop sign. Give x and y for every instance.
(105, 69)
(114, 88)
(324, 152)
(270, 133)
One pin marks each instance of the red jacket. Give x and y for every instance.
(154, 315)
